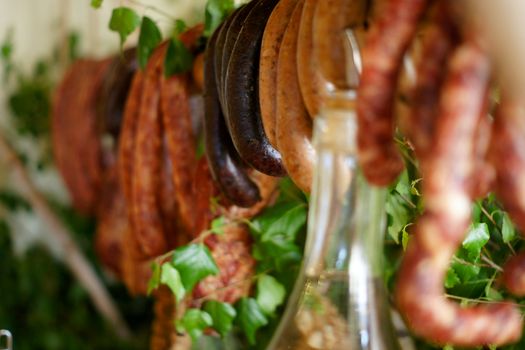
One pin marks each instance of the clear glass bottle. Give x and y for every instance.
(340, 301)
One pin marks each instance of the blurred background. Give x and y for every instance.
(40, 302)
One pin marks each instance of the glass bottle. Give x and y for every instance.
(339, 300)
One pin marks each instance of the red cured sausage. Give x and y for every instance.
(439, 40)
(382, 59)
(76, 138)
(438, 233)
(507, 154)
(127, 135)
(146, 218)
(181, 143)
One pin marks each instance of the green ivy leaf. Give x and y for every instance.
(154, 281)
(222, 315)
(288, 225)
(466, 270)
(171, 277)
(250, 318)
(270, 294)
(217, 225)
(492, 294)
(452, 279)
(178, 58)
(398, 215)
(124, 21)
(507, 229)
(194, 322)
(477, 237)
(7, 48)
(149, 38)
(216, 11)
(405, 237)
(403, 185)
(194, 262)
(414, 187)
(280, 250)
(262, 223)
(179, 27)
(96, 3)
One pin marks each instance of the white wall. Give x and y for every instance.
(39, 24)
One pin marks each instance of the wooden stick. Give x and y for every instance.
(72, 255)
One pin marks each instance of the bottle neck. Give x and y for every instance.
(346, 218)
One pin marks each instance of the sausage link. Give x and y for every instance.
(88, 137)
(507, 155)
(439, 232)
(438, 42)
(198, 72)
(242, 95)
(311, 82)
(61, 128)
(232, 28)
(127, 136)
(271, 44)
(293, 127)
(180, 139)
(513, 273)
(76, 138)
(382, 60)
(146, 218)
(331, 18)
(225, 167)
(112, 223)
(232, 253)
(114, 92)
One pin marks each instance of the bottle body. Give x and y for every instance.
(339, 300)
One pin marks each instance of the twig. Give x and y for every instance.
(491, 263)
(72, 255)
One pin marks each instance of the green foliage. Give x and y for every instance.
(508, 231)
(6, 51)
(154, 281)
(270, 294)
(170, 276)
(477, 237)
(217, 225)
(255, 317)
(96, 3)
(194, 322)
(30, 105)
(276, 232)
(73, 44)
(250, 317)
(222, 315)
(179, 27)
(149, 38)
(216, 11)
(400, 208)
(46, 309)
(178, 58)
(12, 201)
(194, 262)
(124, 21)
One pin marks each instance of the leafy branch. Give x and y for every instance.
(72, 254)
